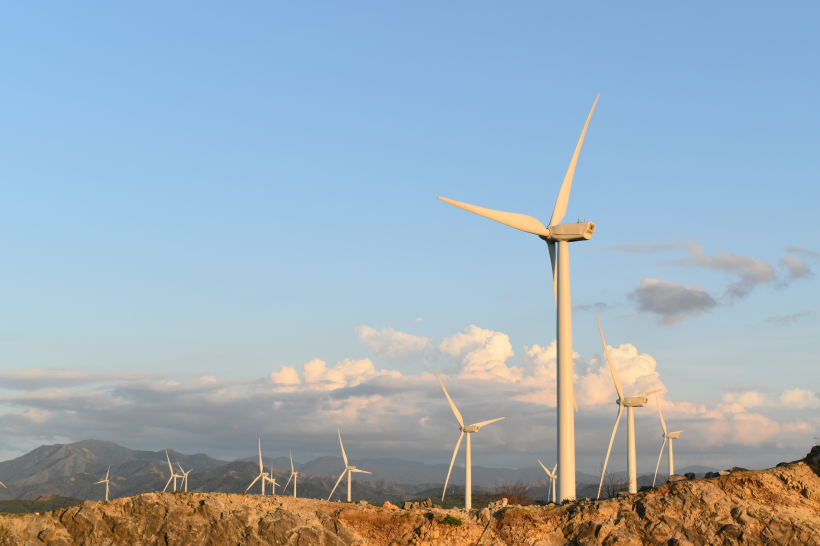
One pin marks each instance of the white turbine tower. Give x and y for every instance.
(553, 476)
(174, 476)
(293, 476)
(562, 234)
(468, 430)
(262, 473)
(272, 482)
(666, 436)
(348, 470)
(105, 481)
(629, 403)
(184, 476)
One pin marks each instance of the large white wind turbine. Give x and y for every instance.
(105, 481)
(348, 470)
(262, 473)
(630, 402)
(468, 430)
(666, 436)
(174, 475)
(184, 476)
(292, 476)
(553, 476)
(562, 235)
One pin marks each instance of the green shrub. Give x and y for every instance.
(452, 520)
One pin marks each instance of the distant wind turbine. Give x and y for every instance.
(272, 482)
(292, 475)
(638, 401)
(174, 475)
(553, 476)
(348, 469)
(562, 235)
(262, 473)
(105, 481)
(184, 476)
(666, 436)
(468, 430)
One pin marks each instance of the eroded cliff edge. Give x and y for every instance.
(775, 506)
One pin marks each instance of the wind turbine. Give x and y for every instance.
(562, 234)
(348, 469)
(173, 475)
(272, 482)
(105, 481)
(184, 476)
(666, 436)
(468, 487)
(262, 473)
(630, 402)
(292, 475)
(553, 476)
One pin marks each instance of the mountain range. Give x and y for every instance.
(71, 470)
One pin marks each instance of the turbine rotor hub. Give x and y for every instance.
(470, 428)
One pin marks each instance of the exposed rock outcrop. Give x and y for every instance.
(779, 506)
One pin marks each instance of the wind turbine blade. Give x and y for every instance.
(167, 484)
(650, 392)
(551, 247)
(260, 456)
(254, 481)
(563, 195)
(574, 401)
(362, 471)
(512, 219)
(481, 424)
(107, 471)
(659, 461)
(343, 448)
(452, 405)
(614, 430)
(337, 484)
(288, 483)
(451, 465)
(169, 460)
(1, 483)
(663, 423)
(102, 481)
(618, 386)
(291, 462)
(544, 467)
(554, 468)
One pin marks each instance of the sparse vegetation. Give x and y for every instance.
(452, 520)
(515, 493)
(614, 483)
(24, 506)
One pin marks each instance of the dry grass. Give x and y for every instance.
(515, 493)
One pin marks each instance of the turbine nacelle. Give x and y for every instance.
(638, 401)
(580, 231)
(672, 435)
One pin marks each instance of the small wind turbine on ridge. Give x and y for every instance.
(468, 430)
(105, 481)
(666, 436)
(271, 481)
(262, 473)
(553, 476)
(629, 403)
(348, 469)
(174, 475)
(292, 475)
(184, 476)
(561, 235)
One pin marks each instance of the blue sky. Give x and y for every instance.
(222, 190)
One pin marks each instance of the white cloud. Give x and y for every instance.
(318, 377)
(393, 346)
(799, 398)
(750, 272)
(796, 268)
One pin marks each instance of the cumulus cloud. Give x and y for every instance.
(799, 398)
(317, 376)
(393, 346)
(749, 272)
(671, 302)
(795, 269)
(791, 398)
(483, 354)
(803, 252)
(785, 320)
(643, 248)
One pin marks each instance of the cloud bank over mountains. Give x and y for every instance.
(389, 413)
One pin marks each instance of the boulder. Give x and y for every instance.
(724, 472)
(690, 475)
(676, 478)
(502, 502)
(484, 514)
(389, 506)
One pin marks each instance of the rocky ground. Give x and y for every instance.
(776, 506)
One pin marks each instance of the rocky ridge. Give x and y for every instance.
(778, 506)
